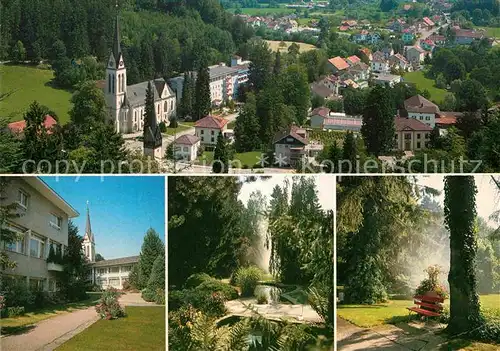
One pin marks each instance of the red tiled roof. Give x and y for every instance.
(402, 123)
(428, 21)
(353, 59)
(343, 28)
(339, 63)
(420, 104)
(187, 140)
(320, 111)
(446, 120)
(18, 127)
(211, 122)
(292, 131)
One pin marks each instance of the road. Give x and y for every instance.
(185, 168)
(132, 144)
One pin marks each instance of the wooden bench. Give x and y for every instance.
(427, 306)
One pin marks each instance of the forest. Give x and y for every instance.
(274, 251)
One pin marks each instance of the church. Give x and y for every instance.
(106, 273)
(126, 104)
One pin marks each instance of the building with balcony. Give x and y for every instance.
(42, 223)
(292, 145)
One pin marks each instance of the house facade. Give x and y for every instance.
(411, 134)
(42, 224)
(318, 115)
(421, 109)
(290, 146)
(208, 128)
(125, 104)
(186, 147)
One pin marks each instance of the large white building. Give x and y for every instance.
(106, 273)
(42, 223)
(125, 104)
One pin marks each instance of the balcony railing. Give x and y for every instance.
(51, 266)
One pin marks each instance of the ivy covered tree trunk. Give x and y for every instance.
(365, 277)
(460, 216)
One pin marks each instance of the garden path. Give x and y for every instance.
(412, 336)
(50, 333)
(134, 299)
(241, 307)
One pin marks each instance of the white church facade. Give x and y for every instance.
(126, 103)
(106, 273)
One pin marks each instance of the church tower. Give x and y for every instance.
(116, 83)
(88, 239)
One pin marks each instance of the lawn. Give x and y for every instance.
(275, 46)
(422, 82)
(231, 125)
(14, 324)
(182, 127)
(29, 83)
(142, 329)
(395, 311)
(492, 32)
(246, 158)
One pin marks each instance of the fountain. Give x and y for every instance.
(263, 254)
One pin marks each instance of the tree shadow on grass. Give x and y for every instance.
(8, 331)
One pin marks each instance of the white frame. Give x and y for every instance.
(58, 219)
(22, 194)
(41, 253)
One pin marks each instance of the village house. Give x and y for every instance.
(467, 36)
(186, 147)
(387, 51)
(427, 23)
(379, 63)
(340, 121)
(208, 128)
(411, 134)
(419, 108)
(398, 61)
(337, 64)
(398, 25)
(322, 90)
(318, 115)
(17, 128)
(386, 78)
(42, 223)
(407, 37)
(292, 145)
(367, 52)
(437, 39)
(427, 45)
(415, 54)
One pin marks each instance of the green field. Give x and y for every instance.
(265, 11)
(395, 311)
(492, 32)
(246, 158)
(28, 84)
(142, 329)
(418, 78)
(274, 45)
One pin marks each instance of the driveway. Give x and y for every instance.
(50, 333)
(134, 299)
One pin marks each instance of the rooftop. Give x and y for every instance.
(420, 104)
(18, 127)
(116, 261)
(210, 121)
(187, 140)
(339, 63)
(402, 124)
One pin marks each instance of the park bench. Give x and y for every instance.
(427, 306)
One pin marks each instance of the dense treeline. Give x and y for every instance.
(158, 39)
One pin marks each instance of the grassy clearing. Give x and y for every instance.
(395, 311)
(142, 329)
(492, 32)
(275, 46)
(28, 84)
(422, 82)
(12, 325)
(231, 125)
(246, 158)
(182, 127)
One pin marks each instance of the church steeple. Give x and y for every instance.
(88, 244)
(117, 50)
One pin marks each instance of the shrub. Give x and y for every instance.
(108, 307)
(215, 305)
(431, 283)
(210, 303)
(247, 279)
(163, 127)
(148, 295)
(15, 311)
(173, 123)
(17, 293)
(160, 297)
(196, 279)
(262, 298)
(213, 285)
(126, 286)
(157, 278)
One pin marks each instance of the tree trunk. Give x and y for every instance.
(460, 216)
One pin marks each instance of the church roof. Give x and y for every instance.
(136, 94)
(116, 261)
(117, 50)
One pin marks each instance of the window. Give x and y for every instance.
(55, 221)
(114, 281)
(37, 248)
(22, 199)
(418, 144)
(213, 140)
(212, 132)
(395, 136)
(126, 269)
(114, 270)
(407, 136)
(201, 132)
(427, 118)
(17, 246)
(109, 83)
(102, 271)
(418, 135)
(185, 149)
